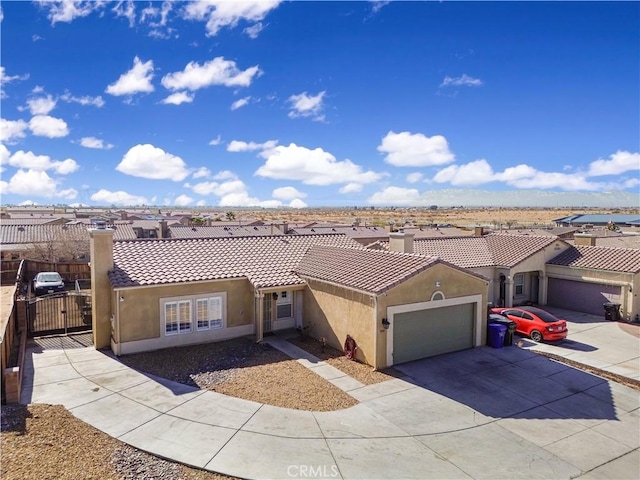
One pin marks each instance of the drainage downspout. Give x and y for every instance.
(375, 332)
(258, 307)
(116, 324)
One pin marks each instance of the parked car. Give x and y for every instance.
(535, 323)
(47, 282)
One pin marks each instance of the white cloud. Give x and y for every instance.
(231, 190)
(35, 183)
(120, 197)
(223, 13)
(41, 105)
(202, 172)
(31, 161)
(85, 100)
(183, 200)
(136, 80)
(147, 161)
(240, 146)
(472, 173)
(287, 193)
(240, 103)
(254, 30)
(312, 167)
(414, 177)
(214, 72)
(395, 196)
(35, 37)
(67, 10)
(46, 126)
(618, 163)
(216, 141)
(304, 105)
(97, 143)
(297, 203)
(378, 5)
(201, 203)
(406, 149)
(11, 130)
(464, 80)
(126, 9)
(178, 98)
(5, 79)
(4, 155)
(351, 188)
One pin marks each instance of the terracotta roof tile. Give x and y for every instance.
(220, 231)
(600, 258)
(267, 261)
(490, 250)
(372, 271)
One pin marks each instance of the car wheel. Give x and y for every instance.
(536, 336)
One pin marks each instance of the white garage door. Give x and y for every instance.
(581, 296)
(425, 333)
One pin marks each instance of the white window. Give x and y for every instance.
(209, 313)
(518, 282)
(177, 317)
(284, 306)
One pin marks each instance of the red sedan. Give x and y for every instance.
(535, 323)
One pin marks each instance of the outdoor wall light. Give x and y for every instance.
(121, 298)
(275, 296)
(437, 284)
(385, 323)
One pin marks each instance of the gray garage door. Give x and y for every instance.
(581, 296)
(425, 333)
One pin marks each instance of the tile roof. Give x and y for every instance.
(350, 231)
(502, 250)
(29, 234)
(599, 258)
(626, 241)
(372, 271)
(267, 261)
(219, 231)
(29, 221)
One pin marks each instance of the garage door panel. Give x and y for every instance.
(425, 333)
(581, 296)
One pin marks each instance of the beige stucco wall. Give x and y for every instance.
(334, 312)
(139, 317)
(630, 283)
(101, 246)
(420, 288)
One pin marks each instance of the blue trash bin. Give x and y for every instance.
(496, 334)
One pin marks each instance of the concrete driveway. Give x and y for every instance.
(481, 413)
(594, 341)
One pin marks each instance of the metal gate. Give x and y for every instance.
(65, 312)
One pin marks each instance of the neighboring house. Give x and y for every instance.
(51, 242)
(582, 278)
(220, 231)
(514, 264)
(152, 294)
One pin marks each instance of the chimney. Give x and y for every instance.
(401, 242)
(101, 251)
(584, 239)
(162, 229)
(285, 227)
(478, 231)
(124, 215)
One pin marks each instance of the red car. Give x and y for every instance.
(535, 323)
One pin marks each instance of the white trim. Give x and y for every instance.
(193, 304)
(438, 292)
(481, 313)
(161, 342)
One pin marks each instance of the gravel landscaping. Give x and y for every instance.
(360, 371)
(245, 369)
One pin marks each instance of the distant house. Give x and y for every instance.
(597, 219)
(152, 294)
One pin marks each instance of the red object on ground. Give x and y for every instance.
(350, 347)
(535, 323)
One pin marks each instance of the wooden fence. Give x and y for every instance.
(70, 272)
(13, 337)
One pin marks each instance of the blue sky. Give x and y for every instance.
(298, 104)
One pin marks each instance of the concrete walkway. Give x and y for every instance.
(480, 413)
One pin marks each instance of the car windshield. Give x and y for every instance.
(543, 315)
(49, 277)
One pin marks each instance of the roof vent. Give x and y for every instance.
(193, 228)
(100, 224)
(21, 229)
